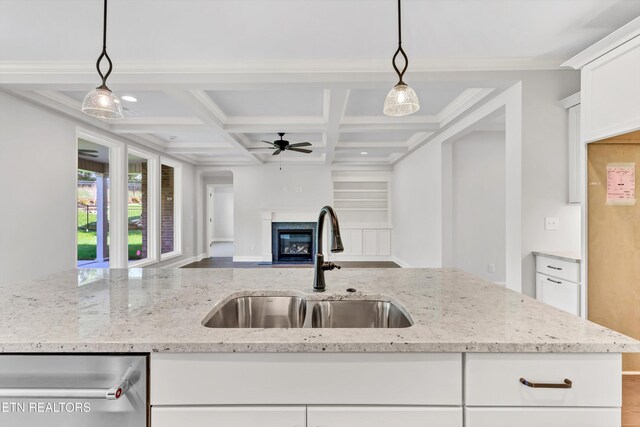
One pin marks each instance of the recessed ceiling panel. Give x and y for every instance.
(433, 96)
(149, 104)
(180, 136)
(285, 102)
(387, 136)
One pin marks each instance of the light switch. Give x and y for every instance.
(491, 268)
(551, 223)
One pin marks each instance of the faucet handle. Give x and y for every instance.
(330, 266)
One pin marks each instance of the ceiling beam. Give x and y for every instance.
(206, 110)
(334, 106)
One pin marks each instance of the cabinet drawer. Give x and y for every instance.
(537, 417)
(494, 379)
(558, 268)
(306, 379)
(558, 293)
(384, 416)
(233, 416)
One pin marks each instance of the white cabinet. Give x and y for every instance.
(495, 395)
(229, 416)
(364, 244)
(495, 379)
(306, 379)
(611, 92)
(384, 389)
(384, 416)
(558, 282)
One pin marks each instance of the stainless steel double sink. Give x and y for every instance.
(299, 312)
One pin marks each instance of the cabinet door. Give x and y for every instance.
(559, 293)
(610, 93)
(384, 416)
(230, 416)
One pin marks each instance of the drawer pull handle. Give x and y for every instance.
(554, 268)
(566, 384)
(554, 281)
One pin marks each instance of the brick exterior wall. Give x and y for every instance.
(145, 210)
(167, 222)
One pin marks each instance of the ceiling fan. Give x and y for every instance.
(281, 145)
(87, 152)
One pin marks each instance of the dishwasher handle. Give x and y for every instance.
(113, 393)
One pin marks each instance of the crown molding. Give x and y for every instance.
(622, 35)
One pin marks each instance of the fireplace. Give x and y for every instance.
(293, 242)
(295, 245)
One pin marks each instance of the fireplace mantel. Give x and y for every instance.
(270, 216)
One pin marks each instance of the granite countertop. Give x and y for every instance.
(148, 310)
(571, 256)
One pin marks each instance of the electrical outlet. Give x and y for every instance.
(491, 268)
(551, 223)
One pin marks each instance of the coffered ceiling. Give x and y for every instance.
(215, 77)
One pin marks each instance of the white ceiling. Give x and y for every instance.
(214, 77)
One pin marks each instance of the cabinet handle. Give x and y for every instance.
(566, 384)
(554, 268)
(554, 281)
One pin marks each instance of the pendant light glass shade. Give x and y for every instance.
(102, 103)
(401, 101)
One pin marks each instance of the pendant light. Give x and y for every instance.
(101, 102)
(401, 100)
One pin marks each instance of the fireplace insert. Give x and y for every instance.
(295, 245)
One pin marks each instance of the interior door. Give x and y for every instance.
(613, 230)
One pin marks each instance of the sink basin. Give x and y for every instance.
(298, 312)
(358, 314)
(259, 312)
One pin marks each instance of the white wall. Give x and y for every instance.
(38, 190)
(416, 193)
(418, 178)
(265, 187)
(477, 199)
(223, 213)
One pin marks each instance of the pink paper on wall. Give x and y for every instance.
(621, 183)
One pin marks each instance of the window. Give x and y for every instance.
(138, 208)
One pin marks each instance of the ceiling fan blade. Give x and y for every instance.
(300, 144)
(88, 155)
(86, 150)
(300, 150)
(278, 151)
(268, 142)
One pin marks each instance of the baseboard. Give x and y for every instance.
(186, 261)
(247, 259)
(222, 239)
(401, 263)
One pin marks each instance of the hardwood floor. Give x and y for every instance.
(228, 263)
(631, 401)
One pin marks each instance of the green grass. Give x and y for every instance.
(87, 240)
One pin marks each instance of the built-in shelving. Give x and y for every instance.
(361, 199)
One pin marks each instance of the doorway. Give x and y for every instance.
(220, 215)
(93, 189)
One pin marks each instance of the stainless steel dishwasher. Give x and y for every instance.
(73, 391)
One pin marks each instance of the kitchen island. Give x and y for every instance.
(476, 354)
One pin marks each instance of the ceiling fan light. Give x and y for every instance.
(401, 101)
(102, 103)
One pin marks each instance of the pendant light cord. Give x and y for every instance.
(104, 52)
(400, 51)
